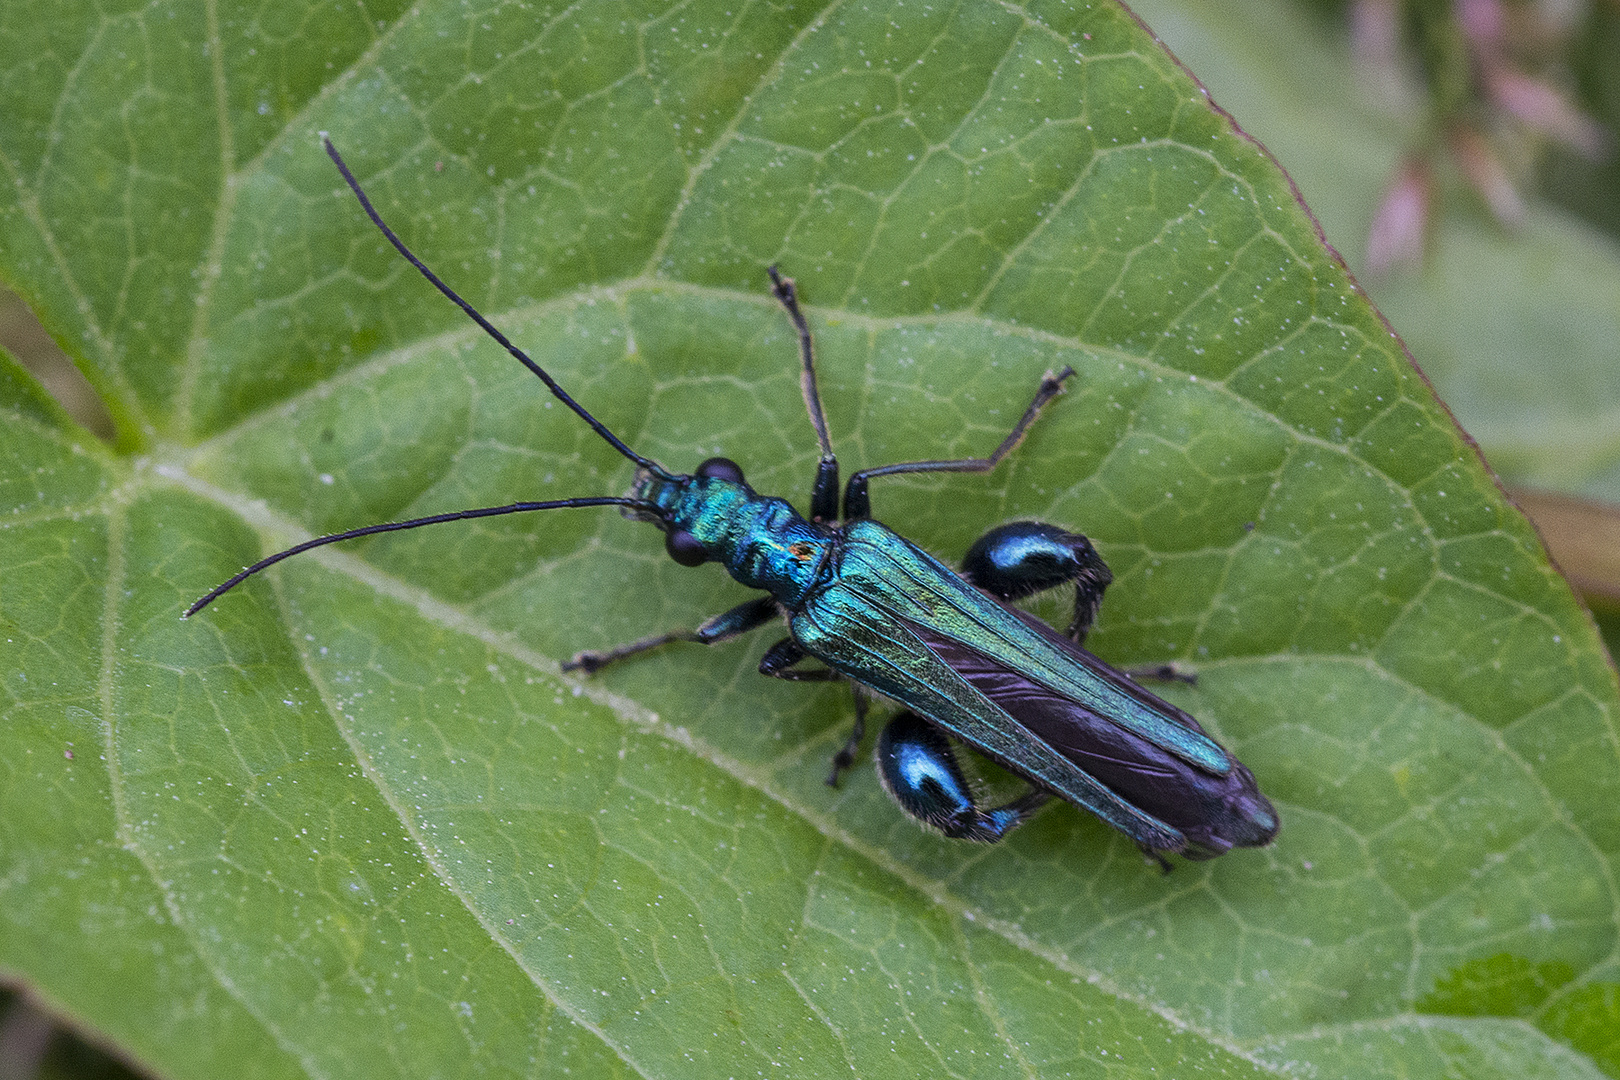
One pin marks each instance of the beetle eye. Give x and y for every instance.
(719, 468)
(685, 548)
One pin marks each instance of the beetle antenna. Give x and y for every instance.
(483, 323)
(414, 523)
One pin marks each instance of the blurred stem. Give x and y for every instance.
(1609, 627)
(1443, 52)
(25, 1032)
(1583, 537)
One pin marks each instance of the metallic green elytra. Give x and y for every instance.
(875, 610)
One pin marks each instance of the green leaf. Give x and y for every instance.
(352, 820)
(1517, 328)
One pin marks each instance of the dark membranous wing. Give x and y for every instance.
(893, 617)
(1211, 809)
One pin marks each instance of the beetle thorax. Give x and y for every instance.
(761, 541)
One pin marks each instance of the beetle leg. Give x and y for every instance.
(852, 745)
(824, 494)
(1158, 857)
(779, 659)
(920, 772)
(857, 500)
(1023, 558)
(723, 627)
(778, 663)
(1161, 673)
